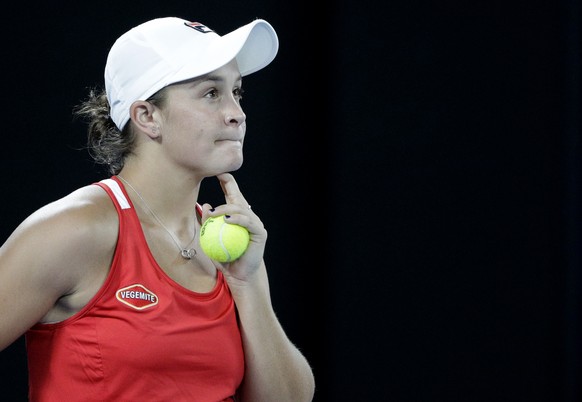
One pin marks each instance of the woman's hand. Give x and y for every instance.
(239, 212)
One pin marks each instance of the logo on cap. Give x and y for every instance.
(137, 296)
(198, 26)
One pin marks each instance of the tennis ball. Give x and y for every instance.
(223, 241)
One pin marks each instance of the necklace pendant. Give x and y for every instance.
(188, 254)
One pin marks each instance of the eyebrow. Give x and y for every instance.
(204, 78)
(212, 77)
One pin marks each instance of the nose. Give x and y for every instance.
(234, 114)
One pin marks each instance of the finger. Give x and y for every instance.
(232, 193)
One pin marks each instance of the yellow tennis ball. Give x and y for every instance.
(223, 241)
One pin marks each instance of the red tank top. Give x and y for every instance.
(142, 337)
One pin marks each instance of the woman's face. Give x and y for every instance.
(202, 124)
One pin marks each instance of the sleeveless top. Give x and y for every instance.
(142, 337)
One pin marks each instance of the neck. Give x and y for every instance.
(172, 198)
(163, 206)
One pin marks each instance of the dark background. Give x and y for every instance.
(417, 165)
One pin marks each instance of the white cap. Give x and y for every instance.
(167, 50)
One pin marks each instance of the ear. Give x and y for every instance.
(142, 115)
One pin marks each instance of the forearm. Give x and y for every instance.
(275, 370)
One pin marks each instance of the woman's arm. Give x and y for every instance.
(52, 263)
(275, 370)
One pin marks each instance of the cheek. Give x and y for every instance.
(185, 113)
(188, 128)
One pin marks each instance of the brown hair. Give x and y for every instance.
(106, 144)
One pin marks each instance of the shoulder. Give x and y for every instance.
(57, 258)
(78, 230)
(86, 211)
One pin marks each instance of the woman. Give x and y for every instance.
(117, 301)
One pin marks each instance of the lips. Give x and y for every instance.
(230, 140)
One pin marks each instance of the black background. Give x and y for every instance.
(417, 165)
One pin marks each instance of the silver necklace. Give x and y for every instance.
(187, 253)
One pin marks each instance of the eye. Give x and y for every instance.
(238, 93)
(213, 93)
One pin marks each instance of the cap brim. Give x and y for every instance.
(254, 46)
(259, 48)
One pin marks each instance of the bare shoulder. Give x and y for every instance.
(85, 216)
(56, 260)
(69, 235)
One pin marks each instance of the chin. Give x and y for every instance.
(236, 165)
